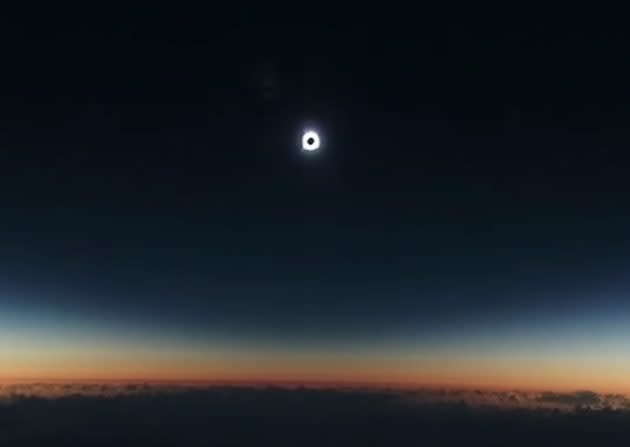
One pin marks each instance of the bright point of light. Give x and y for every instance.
(310, 141)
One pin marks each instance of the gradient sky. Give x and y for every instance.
(466, 222)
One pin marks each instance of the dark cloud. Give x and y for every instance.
(140, 414)
(565, 402)
(506, 400)
(578, 398)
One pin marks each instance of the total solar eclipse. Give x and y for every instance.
(310, 141)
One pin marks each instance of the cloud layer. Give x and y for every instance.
(566, 402)
(168, 415)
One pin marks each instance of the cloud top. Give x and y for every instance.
(509, 400)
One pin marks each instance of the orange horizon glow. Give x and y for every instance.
(486, 377)
(39, 357)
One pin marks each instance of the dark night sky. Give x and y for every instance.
(475, 168)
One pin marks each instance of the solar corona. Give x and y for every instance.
(311, 141)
